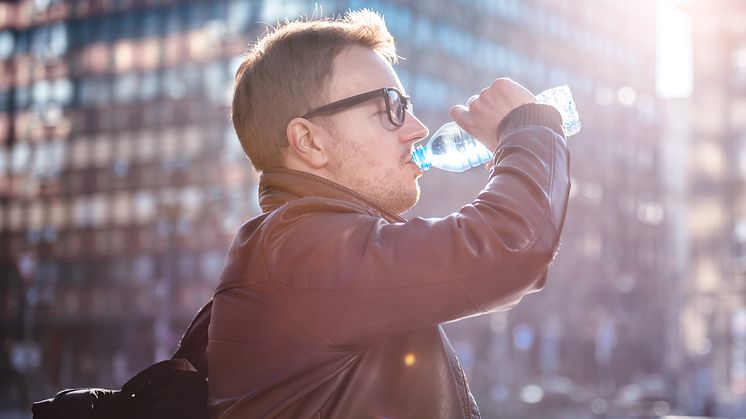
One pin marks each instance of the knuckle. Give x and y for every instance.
(501, 82)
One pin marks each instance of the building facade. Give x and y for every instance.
(122, 184)
(712, 308)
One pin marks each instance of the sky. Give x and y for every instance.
(674, 77)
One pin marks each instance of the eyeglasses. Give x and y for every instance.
(396, 104)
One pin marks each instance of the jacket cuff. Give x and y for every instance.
(530, 114)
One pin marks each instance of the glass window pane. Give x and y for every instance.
(35, 215)
(125, 87)
(144, 268)
(20, 158)
(58, 214)
(121, 208)
(145, 207)
(98, 210)
(101, 150)
(15, 216)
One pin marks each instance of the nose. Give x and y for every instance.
(413, 129)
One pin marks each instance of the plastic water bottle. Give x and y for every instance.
(453, 149)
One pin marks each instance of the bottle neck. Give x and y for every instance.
(420, 158)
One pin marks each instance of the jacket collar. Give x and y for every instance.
(279, 186)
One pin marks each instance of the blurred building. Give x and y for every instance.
(122, 184)
(712, 326)
(593, 341)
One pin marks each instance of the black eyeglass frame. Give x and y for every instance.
(342, 104)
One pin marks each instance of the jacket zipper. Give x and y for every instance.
(465, 396)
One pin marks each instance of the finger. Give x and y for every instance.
(460, 114)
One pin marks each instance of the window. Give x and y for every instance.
(79, 151)
(146, 145)
(22, 97)
(119, 270)
(170, 143)
(7, 44)
(125, 87)
(145, 207)
(172, 83)
(58, 214)
(5, 98)
(739, 67)
(85, 93)
(23, 41)
(20, 157)
(106, 27)
(96, 58)
(194, 14)
(275, 10)
(187, 265)
(144, 268)
(16, 212)
(117, 241)
(121, 208)
(58, 40)
(101, 150)
(125, 147)
(3, 159)
(124, 55)
(424, 32)
(81, 211)
(62, 91)
(173, 22)
(48, 157)
(215, 81)
(98, 210)
(148, 86)
(399, 20)
(49, 41)
(128, 25)
(151, 22)
(191, 140)
(232, 150)
(238, 17)
(95, 92)
(35, 215)
(190, 74)
(212, 264)
(190, 201)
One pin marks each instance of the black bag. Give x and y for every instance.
(174, 388)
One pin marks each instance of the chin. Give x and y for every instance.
(408, 200)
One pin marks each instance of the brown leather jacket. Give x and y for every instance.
(329, 306)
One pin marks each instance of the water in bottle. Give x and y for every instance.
(453, 149)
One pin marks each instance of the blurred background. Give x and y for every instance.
(122, 184)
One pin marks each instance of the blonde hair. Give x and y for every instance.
(286, 73)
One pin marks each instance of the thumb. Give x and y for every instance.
(460, 115)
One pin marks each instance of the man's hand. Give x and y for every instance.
(485, 111)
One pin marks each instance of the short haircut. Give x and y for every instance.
(286, 73)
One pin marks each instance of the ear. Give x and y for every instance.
(307, 143)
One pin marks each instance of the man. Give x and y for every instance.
(330, 303)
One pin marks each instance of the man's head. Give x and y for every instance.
(304, 65)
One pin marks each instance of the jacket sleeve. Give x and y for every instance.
(362, 277)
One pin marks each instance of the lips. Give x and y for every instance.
(414, 165)
(407, 160)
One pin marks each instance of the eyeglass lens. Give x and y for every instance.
(396, 106)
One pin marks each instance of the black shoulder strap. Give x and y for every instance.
(193, 343)
(159, 369)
